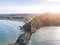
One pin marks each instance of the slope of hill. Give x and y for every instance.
(51, 19)
(46, 19)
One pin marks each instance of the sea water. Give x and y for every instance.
(46, 36)
(9, 31)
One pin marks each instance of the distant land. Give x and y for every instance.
(17, 17)
(18, 14)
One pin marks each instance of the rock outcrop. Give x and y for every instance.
(46, 19)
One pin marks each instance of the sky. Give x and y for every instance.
(29, 6)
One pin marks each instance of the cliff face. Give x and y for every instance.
(46, 19)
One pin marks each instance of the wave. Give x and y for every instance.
(9, 31)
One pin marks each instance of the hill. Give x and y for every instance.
(46, 19)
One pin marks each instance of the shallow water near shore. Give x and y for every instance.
(9, 31)
(46, 36)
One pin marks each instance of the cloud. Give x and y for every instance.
(30, 9)
(53, 0)
(46, 6)
(22, 9)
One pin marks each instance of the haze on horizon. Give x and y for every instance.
(29, 6)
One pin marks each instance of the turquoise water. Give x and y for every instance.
(46, 36)
(9, 31)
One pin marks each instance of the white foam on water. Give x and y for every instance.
(9, 31)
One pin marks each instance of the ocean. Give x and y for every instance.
(9, 31)
(46, 36)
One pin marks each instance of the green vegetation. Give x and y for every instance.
(33, 25)
(27, 27)
(36, 23)
(46, 19)
(23, 39)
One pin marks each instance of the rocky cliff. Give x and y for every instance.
(46, 19)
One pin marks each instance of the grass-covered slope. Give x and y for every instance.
(46, 19)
